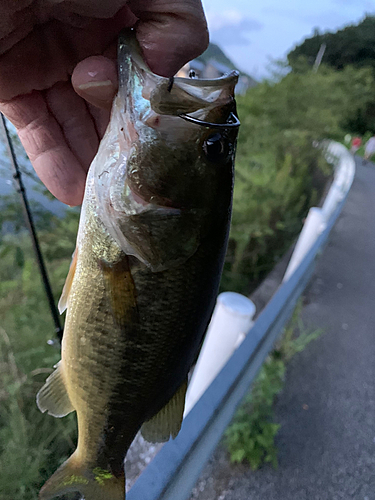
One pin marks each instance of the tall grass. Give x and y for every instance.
(32, 445)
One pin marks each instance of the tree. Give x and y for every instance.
(353, 45)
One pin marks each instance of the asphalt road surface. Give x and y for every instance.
(327, 409)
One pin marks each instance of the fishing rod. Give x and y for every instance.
(31, 227)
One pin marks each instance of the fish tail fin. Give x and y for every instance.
(96, 484)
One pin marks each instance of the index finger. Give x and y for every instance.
(60, 152)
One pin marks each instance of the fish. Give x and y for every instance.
(145, 273)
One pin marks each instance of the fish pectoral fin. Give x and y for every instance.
(63, 302)
(166, 423)
(53, 397)
(96, 484)
(121, 292)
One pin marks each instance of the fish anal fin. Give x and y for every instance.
(53, 397)
(121, 291)
(98, 484)
(166, 423)
(63, 302)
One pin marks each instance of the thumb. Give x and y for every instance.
(170, 32)
(95, 80)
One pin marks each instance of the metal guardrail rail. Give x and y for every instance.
(174, 471)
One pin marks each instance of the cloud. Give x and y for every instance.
(231, 27)
(323, 19)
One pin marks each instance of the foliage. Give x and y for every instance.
(32, 445)
(251, 435)
(12, 214)
(353, 45)
(279, 174)
(351, 49)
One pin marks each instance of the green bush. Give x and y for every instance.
(279, 172)
(251, 436)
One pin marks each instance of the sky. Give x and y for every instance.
(254, 33)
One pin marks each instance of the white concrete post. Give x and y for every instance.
(231, 320)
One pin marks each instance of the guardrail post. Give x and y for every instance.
(231, 320)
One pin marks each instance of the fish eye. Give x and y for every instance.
(215, 147)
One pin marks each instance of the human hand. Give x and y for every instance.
(58, 74)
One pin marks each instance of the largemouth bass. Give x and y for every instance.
(145, 274)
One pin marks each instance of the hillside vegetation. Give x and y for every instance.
(352, 46)
(214, 52)
(279, 174)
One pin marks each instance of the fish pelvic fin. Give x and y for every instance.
(96, 484)
(53, 397)
(166, 423)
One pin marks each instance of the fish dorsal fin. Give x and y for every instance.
(53, 397)
(166, 423)
(63, 302)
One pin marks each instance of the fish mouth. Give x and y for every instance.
(128, 47)
(195, 100)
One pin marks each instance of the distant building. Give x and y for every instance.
(196, 66)
(215, 69)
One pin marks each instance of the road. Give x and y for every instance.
(327, 409)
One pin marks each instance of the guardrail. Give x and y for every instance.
(174, 471)
(317, 218)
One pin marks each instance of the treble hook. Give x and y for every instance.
(232, 122)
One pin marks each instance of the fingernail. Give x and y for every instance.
(103, 90)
